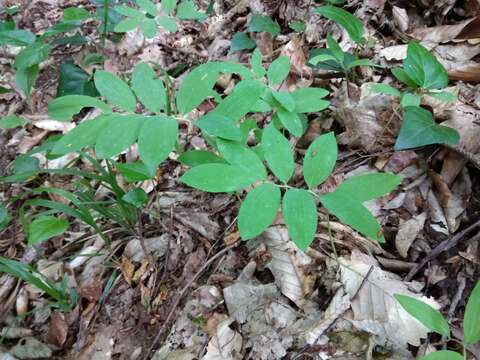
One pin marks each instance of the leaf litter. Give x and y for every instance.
(264, 299)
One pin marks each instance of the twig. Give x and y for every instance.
(443, 246)
(182, 293)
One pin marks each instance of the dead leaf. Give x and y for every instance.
(408, 232)
(128, 269)
(401, 18)
(226, 344)
(57, 329)
(468, 29)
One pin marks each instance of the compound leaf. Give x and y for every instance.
(44, 228)
(320, 159)
(149, 89)
(310, 99)
(115, 90)
(278, 153)
(278, 70)
(349, 22)
(240, 155)
(471, 323)
(263, 23)
(63, 108)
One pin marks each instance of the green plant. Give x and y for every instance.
(335, 59)
(64, 298)
(352, 25)
(422, 74)
(148, 16)
(236, 165)
(434, 321)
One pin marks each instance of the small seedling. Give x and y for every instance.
(352, 25)
(434, 321)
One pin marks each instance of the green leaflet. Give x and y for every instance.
(471, 323)
(65, 107)
(119, 134)
(187, 10)
(240, 102)
(156, 140)
(25, 78)
(258, 210)
(150, 91)
(320, 159)
(349, 22)
(291, 121)
(198, 84)
(85, 134)
(11, 121)
(300, 213)
(263, 23)
(75, 81)
(136, 197)
(44, 228)
(33, 54)
(219, 125)
(408, 99)
(17, 37)
(256, 64)
(278, 70)
(346, 201)
(278, 153)
(115, 90)
(133, 172)
(385, 89)
(243, 157)
(419, 129)
(310, 100)
(443, 355)
(217, 178)
(199, 157)
(285, 99)
(241, 41)
(423, 68)
(424, 313)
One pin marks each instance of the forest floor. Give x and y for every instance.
(209, 295)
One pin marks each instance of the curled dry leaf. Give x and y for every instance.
(401, 18)
(408, 232)
(58, 329)
(375, 310)
(225, 344)
(287, 265)
(468, 29)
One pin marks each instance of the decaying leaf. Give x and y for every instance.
(407, 233)
(226, 344)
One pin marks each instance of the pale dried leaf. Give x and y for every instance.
(408, 232)
(226, 344)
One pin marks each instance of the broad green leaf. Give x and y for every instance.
(385, 89)
(25, 78)
(83, 135)
(408, 99)
(32, 55)
(115, 90)
(443, 355)
(419, 129)
(402, 76)
(243, 157)
(240, 101)
(11, 122)
(446, 96)
(25, 164)
(310, 100)
(346, 201)
(17, 38)
(75, 81)
(148, 27)
(7, 25)
(198, 84)
(4, 217)
(359, 62)
(427, 315)
(320, 159)
(167, 23)
(258, 210)
(278, 153)
(44, 228)
(263, 23)
(217, 178)
(168, 6)
(149, 89)
(148, 6)
(119, 134)
(241, 41)
(423, 68)
(136, 197)
(297, 25)
(285, 99)
(75, 13)
(187, 10)
(156, 140)
(471, 319)
(127, 25)
(93, 58)
(219, 125)
(315, 60)
(128, 11)
(335, 49)
(349, 22)
(256, 63)
(199, 157)
(300, 213)
(278, 70)
(291, 121)
(134, 172)
(63, 108)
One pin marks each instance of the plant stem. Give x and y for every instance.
(106, 9)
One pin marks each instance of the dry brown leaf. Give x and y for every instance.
(401, 18)
(225, 344)
(468, 29)
(408, 232)
(128, 269)
(58, 329)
